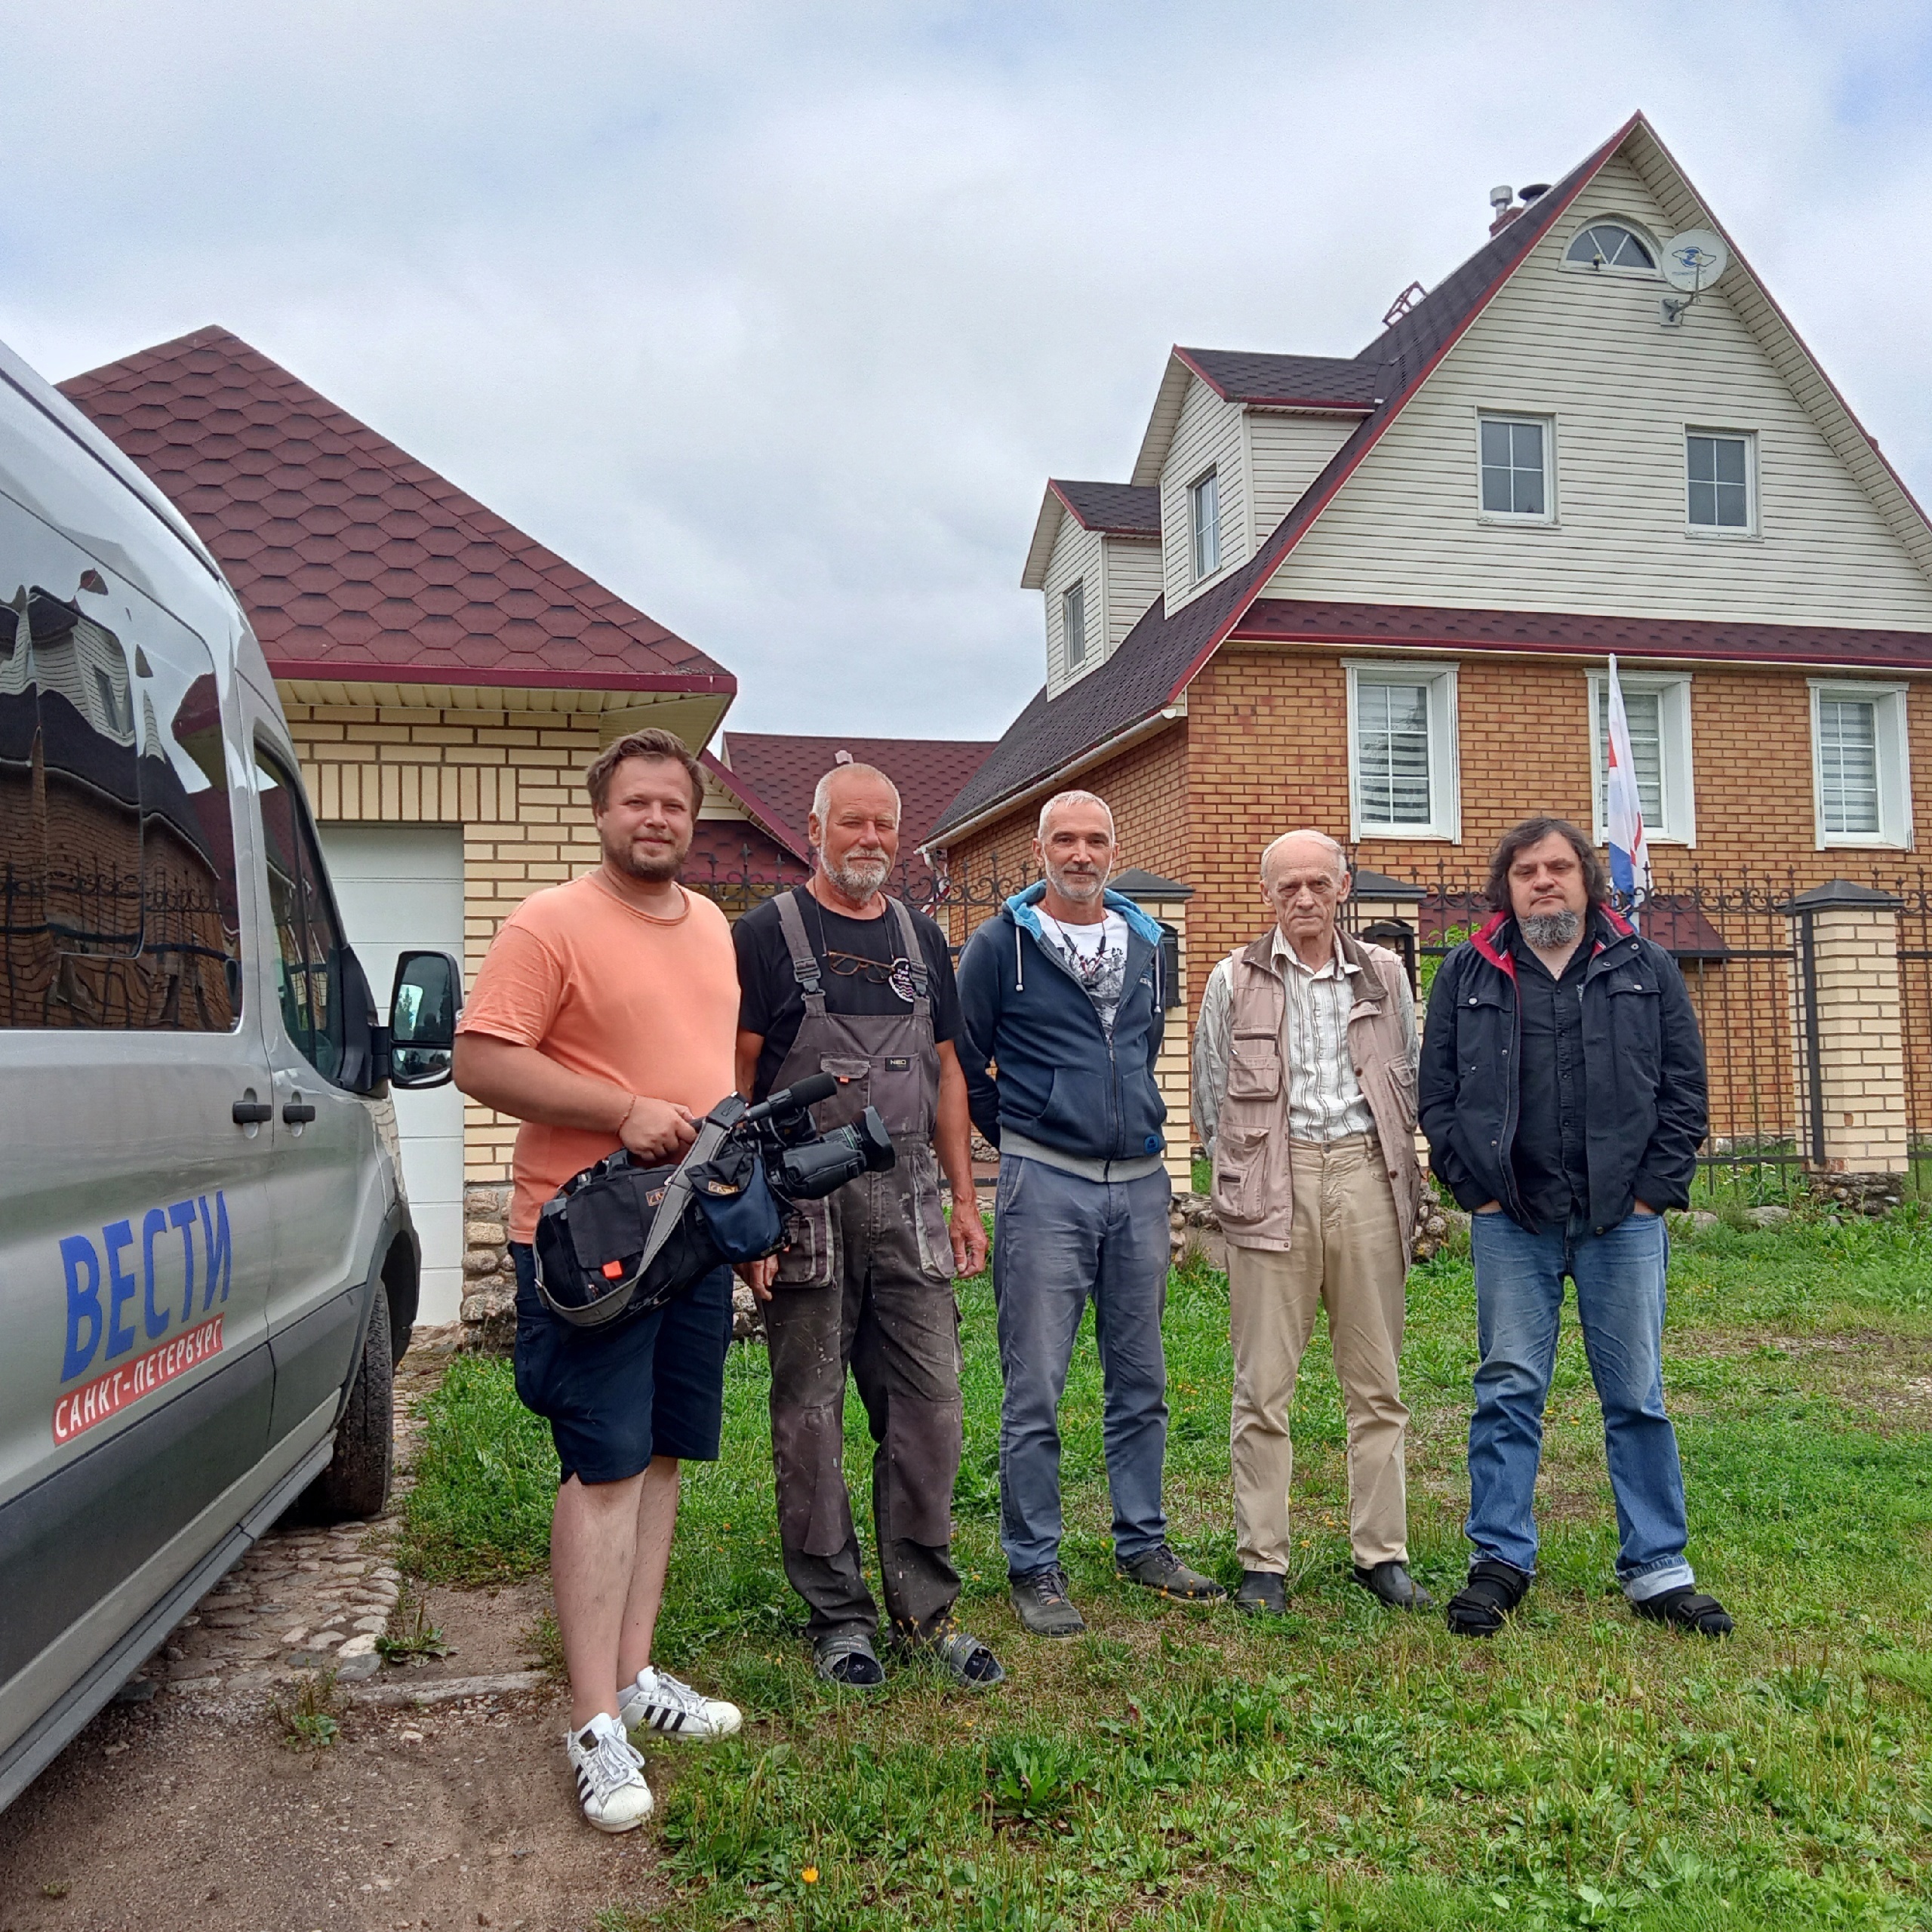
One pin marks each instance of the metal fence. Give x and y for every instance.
(1744, 951)
(1915, 898)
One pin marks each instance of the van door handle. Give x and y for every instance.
(251, 1113)
(298, 1113)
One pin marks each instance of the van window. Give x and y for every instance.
(308, 942)
(118, 901)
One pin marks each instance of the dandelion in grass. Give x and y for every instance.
(810, 1875)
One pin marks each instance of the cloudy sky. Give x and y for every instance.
(775, 317)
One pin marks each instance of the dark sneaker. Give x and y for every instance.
(1042, 1605)
(1160, 1570)
(1392, 1584)
(848, 1660)
(1492, 1591)
(1687, 1609)
(1262, 1594)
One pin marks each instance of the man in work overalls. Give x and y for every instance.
(838, 978)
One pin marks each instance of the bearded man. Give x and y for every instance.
(603, 1016)
(1562, 1091)
(1062, 991)
(839, 978)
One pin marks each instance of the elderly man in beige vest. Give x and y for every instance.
(1305, 1093)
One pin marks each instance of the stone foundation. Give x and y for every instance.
(489, 1282)
(1194, 1230)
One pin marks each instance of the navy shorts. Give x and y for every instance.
(655, 1388)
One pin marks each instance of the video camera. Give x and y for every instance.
(619, 1239)
(800, 1163)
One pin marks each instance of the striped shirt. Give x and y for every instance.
(1325, 1101)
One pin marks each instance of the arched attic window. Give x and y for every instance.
(1611, 244)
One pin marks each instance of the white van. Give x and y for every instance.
(206, 1267)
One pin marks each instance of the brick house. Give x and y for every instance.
(446, 680)
(1377, 593)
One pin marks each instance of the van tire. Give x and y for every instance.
(356, 1482)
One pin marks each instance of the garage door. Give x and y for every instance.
(401, 886)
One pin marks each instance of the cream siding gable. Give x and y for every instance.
(1588, 351)
(1077, 558)
(1134, 581)
(1209, 435)
(1286, 454)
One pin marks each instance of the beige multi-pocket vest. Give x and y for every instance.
(1254, 1194)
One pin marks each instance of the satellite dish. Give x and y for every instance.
(1694, 260)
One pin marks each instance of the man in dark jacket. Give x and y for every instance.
(1062, 991)
(1562, 1091)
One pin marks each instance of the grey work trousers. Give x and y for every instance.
(896, 1327)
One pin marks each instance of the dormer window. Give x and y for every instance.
(1073, 617)
(1204, 510)
(1609, 244)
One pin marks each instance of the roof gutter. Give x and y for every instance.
(1150, 727)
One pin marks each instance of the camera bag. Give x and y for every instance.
(620, 1239)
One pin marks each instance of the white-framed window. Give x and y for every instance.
(1861, 767)
(1514, 482)
(1721, 481)
(1204, 525)
(1402, 755)
(1657, 707)
(1073, 623)
(1612, 247)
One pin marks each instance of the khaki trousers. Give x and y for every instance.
(1346, 1256)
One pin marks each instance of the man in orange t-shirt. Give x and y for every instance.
(605, 1014)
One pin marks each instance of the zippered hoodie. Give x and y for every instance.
(1643, 1066)
(1059, 1081)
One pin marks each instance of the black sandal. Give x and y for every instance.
(1492, 1591)
(1687, 1609)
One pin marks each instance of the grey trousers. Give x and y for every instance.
(1059, 1241)
(897, 1329)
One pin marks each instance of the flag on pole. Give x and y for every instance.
(1629, 850)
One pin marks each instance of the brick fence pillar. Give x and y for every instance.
(1165, 900)
(1846, 1025)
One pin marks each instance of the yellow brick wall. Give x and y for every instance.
(512, 780)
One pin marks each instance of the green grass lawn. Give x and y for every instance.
(1342, 1766)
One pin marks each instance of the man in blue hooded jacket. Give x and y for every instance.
(1062, 992)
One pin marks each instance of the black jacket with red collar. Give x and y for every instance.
(1643, 1060)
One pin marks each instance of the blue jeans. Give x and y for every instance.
(1620, 1277)
(1058, 1240)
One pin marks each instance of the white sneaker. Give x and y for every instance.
(610, 1775)
(658, 1701)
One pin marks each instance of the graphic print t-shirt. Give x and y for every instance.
(861, 969)
(1096, 956)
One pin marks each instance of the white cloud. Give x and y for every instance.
(776, 317)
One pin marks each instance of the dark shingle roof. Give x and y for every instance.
(353, 559)
(782, 770)
(1574, 633)
(1340, 382)
(1120, 509)
(1154, 662)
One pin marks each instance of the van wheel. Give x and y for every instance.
(356, 1482)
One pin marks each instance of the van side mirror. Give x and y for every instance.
(423, 1005)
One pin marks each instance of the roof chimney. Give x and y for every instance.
(1499, 198)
